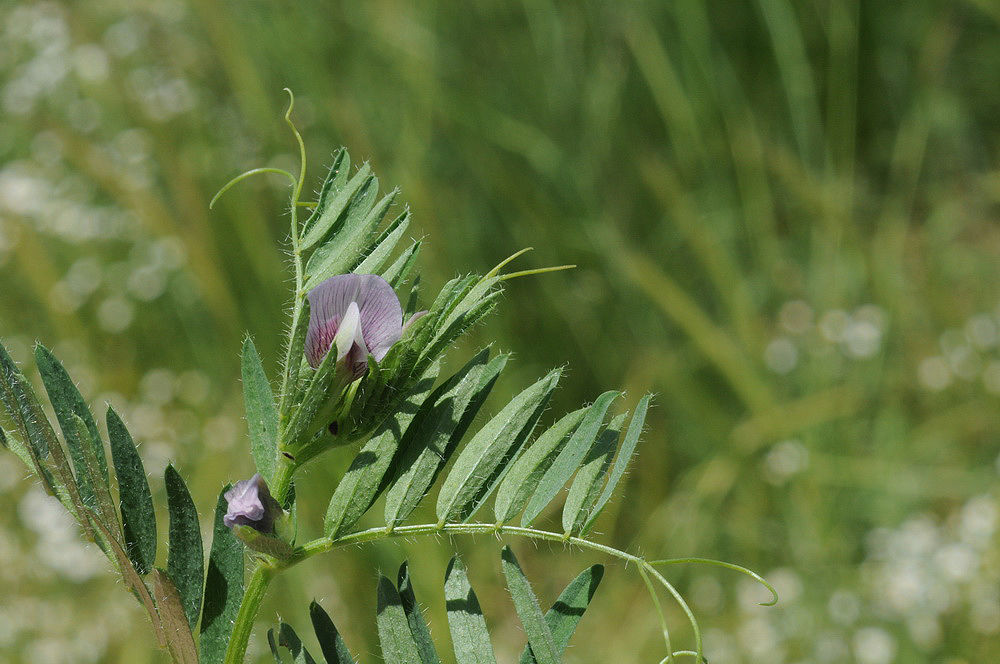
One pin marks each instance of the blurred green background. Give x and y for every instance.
(785, 217)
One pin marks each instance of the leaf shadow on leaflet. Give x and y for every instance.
(412, 451)
(468, 605)
(363, 460)
(212, 608)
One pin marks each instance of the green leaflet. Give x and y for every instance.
(470, 637)
(332, 184)
(332, 212)
(397, 273)
(20, 402)
(569, 458)
(621, 463)
(330, 642)
(43, 444)
(526, 605)
(418, 628)
(294, 360)
(524, 475)
(185, 564)
(176, 628)
(287, 638)
(587, 483)
(450, 294)
(394, 632)
(262, 414)
(134, 582)
(355, 237)
(321, 383)
(16, 435)
(567, 611)
(223, 587)
(361, 484)
(413, 299)
(273, 645)
(380, 250)
(104, 504)
(428, 440)
(135, 500)
(67, 401)
(483, 462)
(468, 303)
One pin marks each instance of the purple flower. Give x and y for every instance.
(251, 504)
(359, 314)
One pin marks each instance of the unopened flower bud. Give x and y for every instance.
(251, 504)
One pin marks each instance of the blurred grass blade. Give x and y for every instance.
(185, 564)
(524, 475)
(262, 415)
(483, 462)
(394, 632)
(568, 610)
(326, 223)
(535, 625)
(330, 642)
(569, 458)
(135, 500)
(287, 638)
(223, 587)
(625, 455)
(361, 484)
(67, 401)
(425, 447)
(176, 626)
(418, 627)
(470, 637)
(586, 487)
(383, 247)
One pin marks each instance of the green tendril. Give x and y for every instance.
(540, 270)
(659, 612)
(719, 563)
(302, 162)
(501, 264)
(243, 176)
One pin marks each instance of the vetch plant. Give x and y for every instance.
(361, 375)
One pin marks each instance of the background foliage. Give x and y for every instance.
(785, 216)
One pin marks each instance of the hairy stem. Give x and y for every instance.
(243, 625)
(290, 375)
(262, 575)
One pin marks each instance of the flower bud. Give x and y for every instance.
(251, 504)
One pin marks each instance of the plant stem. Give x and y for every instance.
(291, 372)
(258, 582)
(243, 625)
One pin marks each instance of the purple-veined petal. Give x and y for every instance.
(380, 314)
